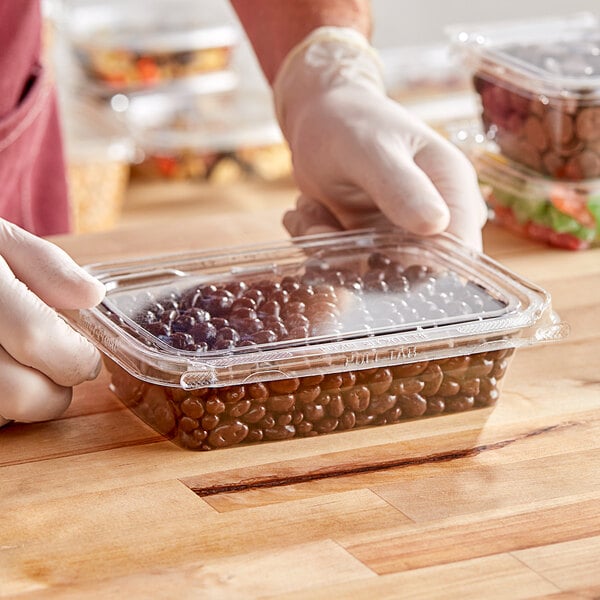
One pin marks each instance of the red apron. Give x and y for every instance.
(33, 188)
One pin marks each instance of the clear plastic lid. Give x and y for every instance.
(219, 122)
(553, 56)
(312, 305)
(150, 25)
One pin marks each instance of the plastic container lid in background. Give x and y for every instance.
(219, 122)
(150, 25)
(566, 62)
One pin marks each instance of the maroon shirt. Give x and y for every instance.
(33, 188)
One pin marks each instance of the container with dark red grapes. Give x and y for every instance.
(311, 336)
(539, 86)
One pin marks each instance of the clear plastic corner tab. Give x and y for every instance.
(199, 375)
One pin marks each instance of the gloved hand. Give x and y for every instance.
(360, 159)
(41, 357)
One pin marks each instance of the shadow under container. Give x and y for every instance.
(311, 336)
(219, 137)
(140, 44)
(562, 214)
(539, 87)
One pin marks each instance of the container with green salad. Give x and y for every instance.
(563, 214)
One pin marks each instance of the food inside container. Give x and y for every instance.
(98, 153)
(564, 214)
(311, 336)
(539, 86)
(139, 44)
(219, 137)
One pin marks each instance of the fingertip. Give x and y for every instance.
(429, 217)
(92, 291)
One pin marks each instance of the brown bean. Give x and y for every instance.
(283, 403)
(255, 414)
(228, 435)
(308, 394)
(413, 405)
(357, 398)
(393, 415)
(348, 379)
(409, 370)
(214, 406)
(456, 366)
(284, 432)
(314, 412)
(232, 393)
(283, 420)
(311, 380)
(209, 422)
(239, 408)
(435, 405)
(432, 377)
(499, 368)
(258, 391)
(406, 386)
(449, 387)
(284, 386)
(333, 381)
(364, 419)
(335, 407)
(380, 382)
(193, 407)
(347, 420)
(304, 428)
(188, 424)
(480, 367)
(192, 440)
(381, 403)
(470, 387)
(459, 403)
(326, 425)
(254, 435)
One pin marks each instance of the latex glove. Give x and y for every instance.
(360, 159)
(41, 357)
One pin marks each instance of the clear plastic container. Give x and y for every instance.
(539, 86)
(563, 214)
(98, 153)
(311, 336)
(125, 46)
(216, 137)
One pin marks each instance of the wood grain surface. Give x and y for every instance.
(503, 503)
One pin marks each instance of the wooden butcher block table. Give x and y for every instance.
(96, 505)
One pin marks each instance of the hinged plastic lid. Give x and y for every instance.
(553, 56)
(359, 299)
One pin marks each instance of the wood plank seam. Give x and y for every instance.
(80, 452)
(276, 481)
(537, 572)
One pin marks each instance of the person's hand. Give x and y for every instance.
(41, 357)
(360, 159)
